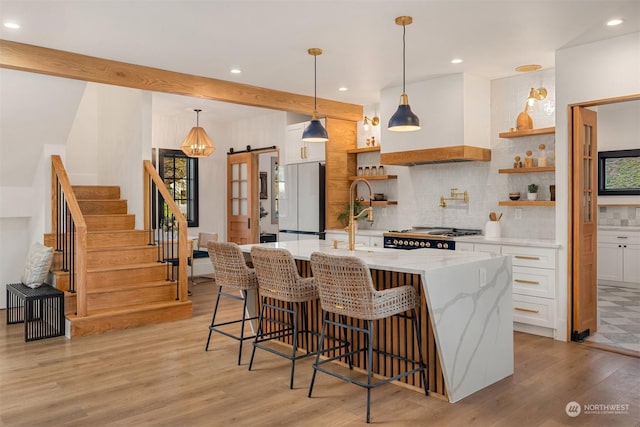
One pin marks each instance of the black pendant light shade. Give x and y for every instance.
(403, 120)
(315, 132)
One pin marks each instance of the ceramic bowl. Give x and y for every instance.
(514, 196)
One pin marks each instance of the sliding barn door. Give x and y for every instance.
(585, 227)
(242, 199)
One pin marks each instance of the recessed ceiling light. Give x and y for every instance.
(528, 67)
(456, 61)
(235, 71)
(343, 89)
(12, 25)
(614, 22)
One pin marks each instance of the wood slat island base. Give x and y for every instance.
(393, 335)
(464, 315)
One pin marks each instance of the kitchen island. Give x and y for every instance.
(465, 313)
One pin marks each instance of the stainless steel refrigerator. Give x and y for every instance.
(301, 201)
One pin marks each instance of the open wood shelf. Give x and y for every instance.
(374, 177)
(528, 170)
(526, 203)
(383, 202)
(532, 132)
(364, 150)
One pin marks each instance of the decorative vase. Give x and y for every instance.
(532, 196)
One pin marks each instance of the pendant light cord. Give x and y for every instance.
(404, 33)
(315, 82)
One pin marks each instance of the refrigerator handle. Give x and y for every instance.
(249, 223)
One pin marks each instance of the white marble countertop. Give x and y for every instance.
(468, 296)
(416, 261)
(538, 243)
(618, 228)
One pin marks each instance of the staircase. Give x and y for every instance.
(126, 284)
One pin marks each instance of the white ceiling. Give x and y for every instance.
(362, 45)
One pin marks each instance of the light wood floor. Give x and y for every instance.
(160, 375)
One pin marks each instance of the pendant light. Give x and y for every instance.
(197, 142)
(315, 132)
(403, 120)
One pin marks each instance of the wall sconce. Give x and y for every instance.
(536, 95)
(524, 120)
(375, 121)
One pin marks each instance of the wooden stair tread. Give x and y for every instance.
(121, 248)
(125, 267)
(132, 286)
(107, 312)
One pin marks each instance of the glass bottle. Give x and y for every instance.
(542, 156)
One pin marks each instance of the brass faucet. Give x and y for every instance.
(352, 217)
(455, 195)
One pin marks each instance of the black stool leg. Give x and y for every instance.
(320, 350)
(416, 329)
(213, 319)
(294, 320)
(259, 333)
(244, 316)
(343, 331)
(369, 366)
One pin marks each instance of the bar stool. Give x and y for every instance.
(278, 280)
(231, 272)
(346, 289)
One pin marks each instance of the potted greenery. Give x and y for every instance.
(532, 193)
(343, 218)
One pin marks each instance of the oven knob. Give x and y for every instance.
(406, 242)
(445, 245)
(411, 242)
(427, 245)
(422, 244)
(395, 241)
(439, 245)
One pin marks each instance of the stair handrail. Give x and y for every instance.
(70, 238)
(151, 176)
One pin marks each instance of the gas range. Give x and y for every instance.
(426, 237)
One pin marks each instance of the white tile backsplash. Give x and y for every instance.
(418, 188)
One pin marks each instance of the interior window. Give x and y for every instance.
(180, 175)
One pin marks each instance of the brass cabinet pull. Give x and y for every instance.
(528, 282)
(527, 257)
(528, 310)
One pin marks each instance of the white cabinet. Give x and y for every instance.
(534, 285)
(610, 262)
(619, 255)
(298, 151)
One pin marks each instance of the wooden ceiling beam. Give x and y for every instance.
(41, 60)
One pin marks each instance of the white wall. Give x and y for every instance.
(619, 129)
(604, 69)
(124, 141)
(82, 144)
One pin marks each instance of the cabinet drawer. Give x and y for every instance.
(492, 249)
(531, 257)
(536, 282)
(619, 237)
(463, 246)
(534, 311)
